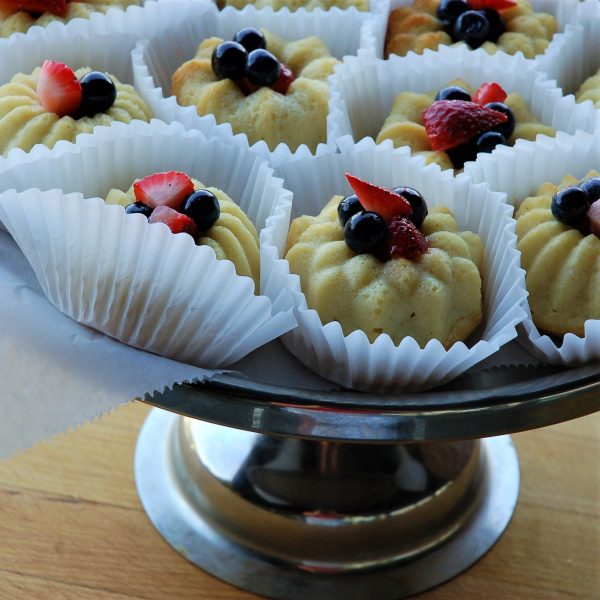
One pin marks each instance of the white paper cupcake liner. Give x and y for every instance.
(363, 89)
(131, 280)
(381, 366)
(375, 6)
(155, 61)
(519, 174)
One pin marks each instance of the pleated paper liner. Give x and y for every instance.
(519, 174)
(353, 361)
(156, 60)
(138, 282)
(363, 88)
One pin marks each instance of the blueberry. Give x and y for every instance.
(449, 10)
(487, 141)
(592, 188)
(251, 38)
(203, 208)
(466, 152)
(417, 203)
(365, 232)
(349, 206)
(139, 207)
(508, 127)
(262, 68)
(229, 60)
(471, 27)
(98, 93)
(453, 93)
(570, 205)
(497, 25)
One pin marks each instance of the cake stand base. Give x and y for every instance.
(295, 519)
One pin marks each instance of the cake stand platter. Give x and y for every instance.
(296, 493)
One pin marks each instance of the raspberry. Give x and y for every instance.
(405, 240)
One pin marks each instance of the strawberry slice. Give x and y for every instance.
(164, 189)
(493, 4)
(450, 123)
(384, 202)
(489, 92)
(176, 221)
(58, 89)
(593, 215)
(405, 240)
(56, 7)
(286, 76)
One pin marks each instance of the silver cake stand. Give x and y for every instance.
(297, 494)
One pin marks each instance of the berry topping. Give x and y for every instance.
(285, 80)
(593, 215)
(365, 232)
(251, 38)
(450, 123)
(570, 205)
(405, 240)
(493, 4)
(262, 68)
(471, 27)
(508, 127)
(98, 91)
(139, 207)
(497, 25)
(449, 10)
(229, 60)
(56, 7)
(246, 87)
(417, 203)
(349, 206)
(164, 189)
(376, 199)
(58, 89)
(463, 153)
(592, 188)
(489, 92)
(487, 141)
(203, 207)
(453, 93)
(177, 222)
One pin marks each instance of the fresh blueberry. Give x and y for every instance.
(262, 68)
(203, 208)
(365, 232)
(417, 203)
(453, 93)
(592, 188)
(229, 60)
(466, 152)
(508, 127)
(449, 10)
(487, 141)
(497, 25)
(139, 207)
(251, 38)
(570, 205)
(98, 93)
(471, 27)
(349, 206)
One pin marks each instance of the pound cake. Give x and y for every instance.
(265, 87)
(590, 90)
(381, 262)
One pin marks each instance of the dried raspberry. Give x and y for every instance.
(450, 123)
(493, 4)
(405, 240)
(489, 92)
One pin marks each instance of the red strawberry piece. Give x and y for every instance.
(247, 87)
(405, 240)
(450, 123)
(493, 4)
(177, 222)
(593, 215)
(164, 189)
(58, 89)
(56, 7)
(286, 76)
(384, 202)
(489, 92)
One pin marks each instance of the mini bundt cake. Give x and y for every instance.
(560, 251)
(427, 24)
(217, 221)
(407, 123)
(426, 284)
(26, 120)
(293, 5)
(15, 20)
(590, 90)
(286, 101)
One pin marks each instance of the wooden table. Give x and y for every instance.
(71, 525)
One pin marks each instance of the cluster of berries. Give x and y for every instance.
(170, 198)
(473, 21)
(37, 7)
(247, 61)
(383, 222)
(59, 91)
(463, 126)
(579, 206)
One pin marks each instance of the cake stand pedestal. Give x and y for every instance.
(297, 494)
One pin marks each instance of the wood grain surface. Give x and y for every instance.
(71, 525)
